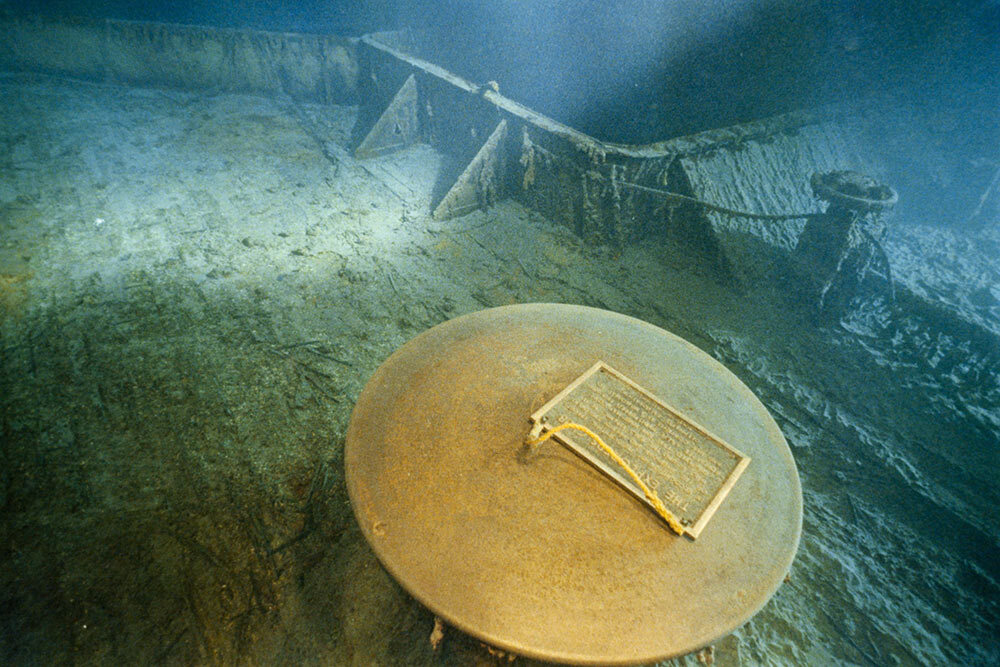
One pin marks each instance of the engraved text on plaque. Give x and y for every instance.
(690, 469)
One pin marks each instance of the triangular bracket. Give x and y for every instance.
(481, 183)
(397, 127)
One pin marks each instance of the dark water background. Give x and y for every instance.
(916, 412)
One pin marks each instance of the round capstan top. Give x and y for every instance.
(547, 550)
(853, 190)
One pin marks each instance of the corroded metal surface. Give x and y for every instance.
(544, 556)
(308, 67)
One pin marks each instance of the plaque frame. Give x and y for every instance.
(694, 523)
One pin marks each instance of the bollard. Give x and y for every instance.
(839, 259)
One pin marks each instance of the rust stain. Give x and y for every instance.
(13, 293)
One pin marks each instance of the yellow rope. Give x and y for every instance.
(651, 496)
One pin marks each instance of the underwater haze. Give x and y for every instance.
(195, 286)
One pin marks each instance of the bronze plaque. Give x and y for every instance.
(689, 468)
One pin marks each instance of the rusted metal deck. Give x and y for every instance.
(605, 192)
